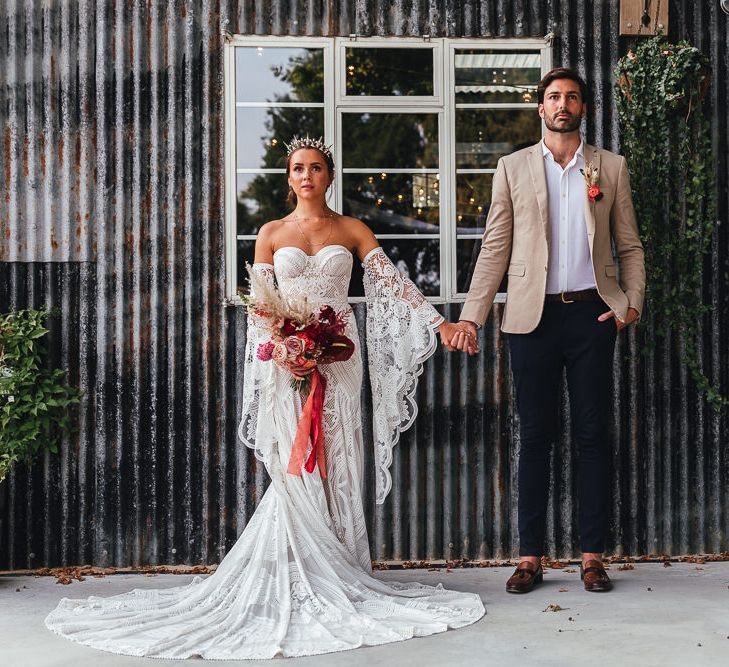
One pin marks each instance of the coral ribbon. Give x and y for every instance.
(310, 427)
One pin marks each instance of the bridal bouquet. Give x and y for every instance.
(301, 339)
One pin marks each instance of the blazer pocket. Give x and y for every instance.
(610, 270)
(516, 269)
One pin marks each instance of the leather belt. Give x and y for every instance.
(570, 297)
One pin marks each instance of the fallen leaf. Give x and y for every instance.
(667, 564)
(571, 570)
(554, 607)
(563, 590)
(627, 566)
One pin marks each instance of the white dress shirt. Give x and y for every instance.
(570, 265)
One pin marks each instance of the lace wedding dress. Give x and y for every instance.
(298, 580)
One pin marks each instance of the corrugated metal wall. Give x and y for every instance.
(111, 207)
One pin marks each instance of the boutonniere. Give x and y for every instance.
(591, 175)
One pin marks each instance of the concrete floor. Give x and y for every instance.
(656, 615)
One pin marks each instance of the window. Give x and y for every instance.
(417, 128)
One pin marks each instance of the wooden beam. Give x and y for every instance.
(643, 17)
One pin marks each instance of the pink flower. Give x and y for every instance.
(279, 352)
(265, 351)
(294, 345)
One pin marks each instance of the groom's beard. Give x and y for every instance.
(562, 122)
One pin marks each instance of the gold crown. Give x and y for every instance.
(308, 142)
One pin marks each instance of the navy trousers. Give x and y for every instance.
(567, 337)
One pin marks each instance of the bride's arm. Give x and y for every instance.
(365, 243)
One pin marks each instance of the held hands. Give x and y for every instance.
(630, 317)
(461, 336)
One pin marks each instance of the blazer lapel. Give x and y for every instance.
(591, 155)
(539, 182)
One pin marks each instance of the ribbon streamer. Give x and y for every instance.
(310, 428)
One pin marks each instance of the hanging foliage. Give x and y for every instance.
(666, 139)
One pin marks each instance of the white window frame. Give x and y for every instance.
(545, 59)
(337, 102)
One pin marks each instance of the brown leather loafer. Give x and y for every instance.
(525, 576)
(594, 577)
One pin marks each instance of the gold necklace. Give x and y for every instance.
(301, 231)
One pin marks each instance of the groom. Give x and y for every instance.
(558, 209)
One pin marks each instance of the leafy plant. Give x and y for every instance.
(666, 140)
(35, 402)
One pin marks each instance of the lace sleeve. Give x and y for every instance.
(257, 377)
(401, 327)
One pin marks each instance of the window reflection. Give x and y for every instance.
(246, 252)
(389, 72)
(496, 76)
(394, 203)
(485, 135)
(275, 74)
(260, 198)
(389, 140)
(473, 198)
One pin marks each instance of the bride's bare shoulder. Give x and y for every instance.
(361, 237)
(266, 240)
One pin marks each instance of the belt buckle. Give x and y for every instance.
(561, 296)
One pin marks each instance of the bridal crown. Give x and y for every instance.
(308, 142)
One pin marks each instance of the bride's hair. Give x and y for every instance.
(291, 198)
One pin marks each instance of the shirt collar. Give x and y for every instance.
(580, 152)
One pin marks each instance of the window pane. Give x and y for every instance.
(485, 135)
(274, 74)
(419, 260)
(396, 72)
(473, 197)
(261, 133)
(389, 140)
(496, 76)
(393, 203)
(260, 198)
(245, 254)
(467, 251)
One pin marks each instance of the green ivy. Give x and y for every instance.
(666, 139)
(35, 402)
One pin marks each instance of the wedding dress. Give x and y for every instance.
(298, 580)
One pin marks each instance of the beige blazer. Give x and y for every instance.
(516, 241)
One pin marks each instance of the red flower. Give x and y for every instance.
(340, 349)
(308, 341)
(327, 314)
(313, 329)
(593, 192)
(289, 327)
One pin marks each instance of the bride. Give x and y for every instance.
(299, 581)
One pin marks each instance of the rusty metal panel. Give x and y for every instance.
(111, 208)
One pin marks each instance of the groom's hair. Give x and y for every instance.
(562, 73)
